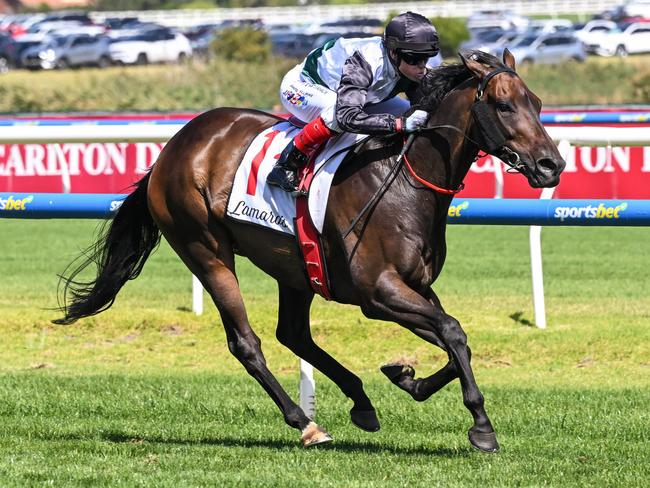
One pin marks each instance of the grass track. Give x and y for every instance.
(143, 394)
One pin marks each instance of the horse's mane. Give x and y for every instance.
(438, 82)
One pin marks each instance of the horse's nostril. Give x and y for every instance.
(547, 164)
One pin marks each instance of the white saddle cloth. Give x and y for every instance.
(253, 201)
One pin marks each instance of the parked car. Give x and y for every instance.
(120, 22)
(68, 15)
(545, 26)
(592, 32)
(152, 46)
(7, 53)
(291, 44)
(370, 26)
(502, 19)
(637, 8)
(21, 45)
(633, 39)
(67, 52)
(492, 41)
(548, 48)
(16, 25)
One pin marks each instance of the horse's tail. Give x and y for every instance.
(123, 246)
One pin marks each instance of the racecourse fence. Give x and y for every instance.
(307, 13)
(474, 211)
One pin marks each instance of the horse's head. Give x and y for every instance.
(506, 120)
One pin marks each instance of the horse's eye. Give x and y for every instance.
(504, 107)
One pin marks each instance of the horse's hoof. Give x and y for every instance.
(365, 419)
(483, 441)
(395, 372)
(312, 435)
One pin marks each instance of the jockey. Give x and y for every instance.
(352, 85)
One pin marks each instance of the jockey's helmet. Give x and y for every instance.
(411, 33)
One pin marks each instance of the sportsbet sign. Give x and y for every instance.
(11, 204)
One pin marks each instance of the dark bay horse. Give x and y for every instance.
(386, 264)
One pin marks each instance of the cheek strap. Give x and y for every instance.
(491, 133)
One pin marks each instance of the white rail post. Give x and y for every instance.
(498, 177)
(307, 389)
(65, 177)
(537, 273)
(197, 296)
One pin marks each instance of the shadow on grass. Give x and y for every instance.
(519, 318)
(339, 446)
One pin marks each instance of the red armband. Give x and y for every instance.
(399, 124)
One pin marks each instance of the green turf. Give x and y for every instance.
(147, 394)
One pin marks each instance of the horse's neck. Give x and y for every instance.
(444, 156)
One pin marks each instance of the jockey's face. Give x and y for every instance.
(414, 69)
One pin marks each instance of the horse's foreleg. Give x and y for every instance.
(421, 389)
(403, 305)
(403, 375)
(294, 332)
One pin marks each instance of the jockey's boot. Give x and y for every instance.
(297, 155)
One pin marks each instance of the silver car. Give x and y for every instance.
(493, 41)
(547, 48)
(68, 51)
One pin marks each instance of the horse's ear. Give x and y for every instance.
(471, 61)
(508, 59)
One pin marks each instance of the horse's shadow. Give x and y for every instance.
(279, 444)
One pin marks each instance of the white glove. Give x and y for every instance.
(416, 120)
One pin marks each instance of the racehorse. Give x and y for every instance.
(383, 236)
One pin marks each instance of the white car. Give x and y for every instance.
(546, 26)
(152, 46)
(634, 39)
(502, 19)
(593, 31)
(637, 8)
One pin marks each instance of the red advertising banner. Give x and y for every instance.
(591, 172)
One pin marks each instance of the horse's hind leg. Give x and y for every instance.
(210, 257)
(294, 332)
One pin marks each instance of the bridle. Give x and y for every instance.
(493, 142)
(492, 136)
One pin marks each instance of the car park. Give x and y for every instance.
(547, 48)
(68, 51)
(631, 39)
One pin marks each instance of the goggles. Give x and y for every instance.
(414, 58)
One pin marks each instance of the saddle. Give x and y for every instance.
(254, 202)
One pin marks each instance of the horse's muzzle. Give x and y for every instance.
(547, 172)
